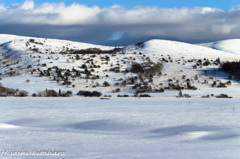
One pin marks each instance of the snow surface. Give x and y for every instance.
(231, 45)
(19, 43)
(89, 128)
(188, 51)
(6, 38)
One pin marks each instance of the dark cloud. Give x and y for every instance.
(117, 25)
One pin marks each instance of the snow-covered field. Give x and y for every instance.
(120, 128)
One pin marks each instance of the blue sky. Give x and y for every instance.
(221, 4)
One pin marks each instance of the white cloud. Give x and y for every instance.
(28, 4)
(137, 23)
(223, 29)
(116, 15)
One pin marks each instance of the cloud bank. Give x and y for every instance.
(117, 25)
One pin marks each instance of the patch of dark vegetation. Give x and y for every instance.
(5, 92)
(144, 95)
(104, 98)
(223, 96)
(181, 95)
(53, 93)
(206, 96)
(12, 73)
(146, 72)
(22, 93)
(89, 93)
(137, 68)
(148, 68)
(206, 62)
(142, 88)
(95, 51)
(232, 68)
(123, 95)
(220, 84)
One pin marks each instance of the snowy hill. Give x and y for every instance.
(188, 51)
(21, 43)
(6, 38)
(231, 45)
(155, 66)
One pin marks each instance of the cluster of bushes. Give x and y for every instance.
(181, 95)
(147, 68)
(146, 72)
(12, 73)
(136, 95)
(125, 95)
(52, 93)
(142, 88)
(206, 62)
(179, 87)
(220, 84)
(223, 96)
(232, 68)
(144, 95)
(95, 51)
(4, 92)
(89, 93)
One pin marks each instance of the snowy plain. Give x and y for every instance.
(121, 128)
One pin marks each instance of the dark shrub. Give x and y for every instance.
(22, 93)
(77, 57)
(232, 68)
(51, 93)
(106, 84)
(123, 95)
(206, 63)
(117, 90)
(4, 92)
(96, 94)
(67, 83)
(144, 95)
(223, 96)
(84, 93)
(137, 68)
(34, 95)
(222, 85)
(66, 94)
(89, 94)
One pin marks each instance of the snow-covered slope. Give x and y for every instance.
(21, 43)
(231, 45)
(6, 38)
(164, 66)
(188, 51)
